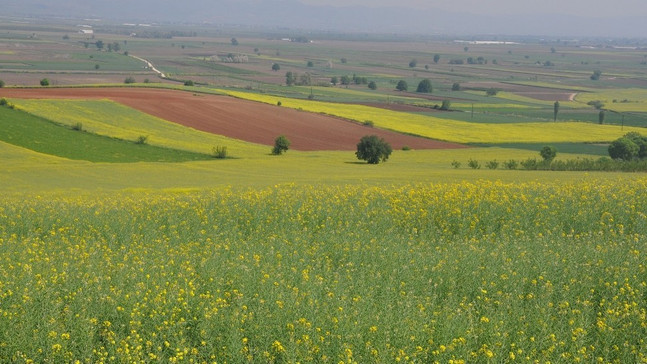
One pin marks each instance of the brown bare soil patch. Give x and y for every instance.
(246, 120)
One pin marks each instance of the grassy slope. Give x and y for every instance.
(112, 119)
(38, 134)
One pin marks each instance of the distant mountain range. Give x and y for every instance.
(294, 14)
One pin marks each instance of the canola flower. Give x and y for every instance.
(461, 272)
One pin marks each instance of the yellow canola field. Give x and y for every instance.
(452, 130)
(427, 272)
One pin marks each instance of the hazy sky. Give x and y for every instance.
(573, 7)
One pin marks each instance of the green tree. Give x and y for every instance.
(189, 83)
(640, 141)
(334, 80)
(555, 110)
(601, 116)
(424, 86)
(446, 105)
(596, 75)
(548, 153)
(456, 86)
(310, 64)
(345, 80)
(129, 80)
(234, 41)
(373, 149)
(281, 145)
(402, 86)
(1, 83)
(372, 85)
(623, 148)
(290, 78)
(99, 44)
(276, 67)
(413, 63)
(436, 58)
(44, 82)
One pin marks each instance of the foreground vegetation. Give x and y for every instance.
(425, 272)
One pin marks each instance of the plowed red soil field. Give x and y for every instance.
(246, 120)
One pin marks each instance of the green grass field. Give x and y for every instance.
(43, 136)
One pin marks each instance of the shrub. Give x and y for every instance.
(406, 148)
(279, 103)
(368, 123)
(372, 85)
(44, 82)
(373, 149)
(530, 164)
(1, 83)
(596, 104)
(142, 139)
(281, 145)
(491, 91)
(511, 164)
(189, 83)
(219, 152)
(77, 126)
(402, 86)
(492, 164)
(446, 105)
(456, 164)
(4, 102)
(548, 153)
(456, 86)
(129, 80)
(474, 164)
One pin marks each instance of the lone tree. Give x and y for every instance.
(413, 63)
(596, 75)
(234, 41)
(548, 153)
(290, 78)
(436, 58)
(372, 85)
(373, 149)
(424, 86)
(281, 144)
(601, 116)
(402, 86)
(555, 110)
(44, 82)
(276, 67)
(1, 83)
